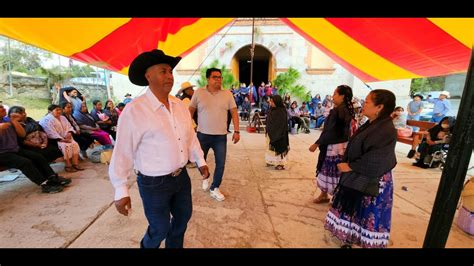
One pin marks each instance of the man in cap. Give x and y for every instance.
(128, 98)
(158, 145)
(441, 107)
(185, 94)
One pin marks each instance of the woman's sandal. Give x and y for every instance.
(70, 169)
(279, 167)
(78, 168)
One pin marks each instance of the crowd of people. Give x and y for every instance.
(354, 165)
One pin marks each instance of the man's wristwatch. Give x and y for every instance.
(236, 131)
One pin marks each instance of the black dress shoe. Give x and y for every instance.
(411, 153)
(59, 180)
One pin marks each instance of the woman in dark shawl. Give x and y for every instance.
(361, 212)
(277, 134)
(88, 125)
(332, 142)
(36, 139)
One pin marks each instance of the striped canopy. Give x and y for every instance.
(372, 49)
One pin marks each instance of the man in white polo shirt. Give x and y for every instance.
(212, 104)
(155, 136)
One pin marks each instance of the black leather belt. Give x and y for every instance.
(173, 174)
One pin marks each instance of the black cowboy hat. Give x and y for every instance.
(139, 65)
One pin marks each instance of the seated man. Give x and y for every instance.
(33, 165)
(438, 136)
(305, 116)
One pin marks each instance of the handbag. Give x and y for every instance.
(359, 182)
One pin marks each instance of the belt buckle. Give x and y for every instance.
(176, 173)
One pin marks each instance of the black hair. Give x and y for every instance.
(95, 102)
(120, 105)
(385, 97)
(16, 109)
(63, 104)
(399, 107)
(51, 107)
(210, 70)
(346, 91)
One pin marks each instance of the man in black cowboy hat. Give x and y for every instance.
(155, 137)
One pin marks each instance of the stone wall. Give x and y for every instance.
(24, 86)
(36, 87)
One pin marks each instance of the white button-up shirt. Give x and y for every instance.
(152, 140)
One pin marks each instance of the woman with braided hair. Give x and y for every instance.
(333, 141)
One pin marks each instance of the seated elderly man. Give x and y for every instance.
(32, 164)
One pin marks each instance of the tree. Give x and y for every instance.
(286, 84)
(423, 85)
(227, 77)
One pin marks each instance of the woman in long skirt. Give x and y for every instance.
(278, 143)
(361, 212)
(332, 142)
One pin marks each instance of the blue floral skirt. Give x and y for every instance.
(328, 178)
(369, 227)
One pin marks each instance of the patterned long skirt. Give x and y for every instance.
(274, 159)
(369, 227)
(328, 178)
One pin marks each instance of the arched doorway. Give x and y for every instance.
(263, 62)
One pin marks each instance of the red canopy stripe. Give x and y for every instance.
(116, 50)
(415, 44)
(349, 67)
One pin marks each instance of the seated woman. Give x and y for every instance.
(112, 113)
(438, 136)
(57, 127)
(83, 138)
(400, 122)
(245, 113)
(36, 139)
(119, 108)
(87, 124)
(103, 120)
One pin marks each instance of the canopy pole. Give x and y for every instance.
(9, 68)
(454, 172)
(252, 51)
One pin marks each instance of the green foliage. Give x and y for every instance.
(28, 59)
(422, 85)
(286, 83)
(21, 60)
(227, 77)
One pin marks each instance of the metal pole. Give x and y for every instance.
(96, 79)
(9, 67)
(252, 51)
(106, 84)
(454, 172)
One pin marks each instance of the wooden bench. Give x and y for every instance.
(416, 137)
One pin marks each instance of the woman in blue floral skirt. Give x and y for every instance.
(361, 212)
